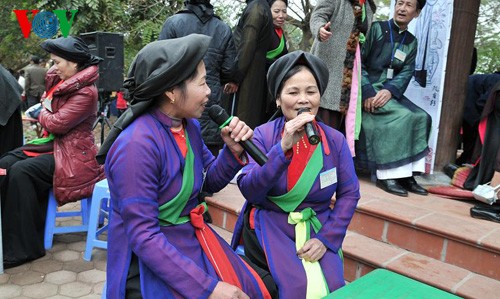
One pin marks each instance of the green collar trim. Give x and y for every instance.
(170, 211)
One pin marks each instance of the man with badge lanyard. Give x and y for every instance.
(394, 131)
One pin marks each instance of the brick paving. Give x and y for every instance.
(61, 273)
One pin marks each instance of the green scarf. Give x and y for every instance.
(170, 211)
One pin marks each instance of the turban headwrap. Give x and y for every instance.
(158, 67)
(284, 64)
(72, 49)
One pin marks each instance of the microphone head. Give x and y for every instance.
(303, 109)
(218, 114)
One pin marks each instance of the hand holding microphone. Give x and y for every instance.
(220, 117)
(310, 128)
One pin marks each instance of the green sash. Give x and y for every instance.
(273, 53)
(316, 282)
(303, 220)
(170, 211)
(289, 201)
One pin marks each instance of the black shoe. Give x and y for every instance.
(485, 213)
(391, 186)
(411, 185)
(450, 169)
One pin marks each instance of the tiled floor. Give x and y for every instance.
(62, 273)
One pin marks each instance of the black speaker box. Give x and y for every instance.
(108, 46)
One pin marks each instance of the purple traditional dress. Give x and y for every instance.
(284, 219)
(153, 189)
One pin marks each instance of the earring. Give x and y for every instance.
(172, 101)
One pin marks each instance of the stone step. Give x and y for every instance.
(438, 231)
(363, 254)
(436, 227)
(225, 206)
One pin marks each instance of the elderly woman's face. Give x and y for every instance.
(278, 10)
(299, 91)
(192, 102)
(65, 69)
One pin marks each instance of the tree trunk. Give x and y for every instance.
(463, 29)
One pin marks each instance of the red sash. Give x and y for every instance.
(216, 255)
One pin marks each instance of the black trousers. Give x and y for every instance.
(24, 193)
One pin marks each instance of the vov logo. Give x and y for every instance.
(45, 23)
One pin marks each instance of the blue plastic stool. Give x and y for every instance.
(50, 221)
(98, 211)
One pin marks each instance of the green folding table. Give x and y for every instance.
(382, 283)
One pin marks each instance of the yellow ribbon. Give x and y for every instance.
(316, 283)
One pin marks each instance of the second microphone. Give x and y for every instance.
(220, 117)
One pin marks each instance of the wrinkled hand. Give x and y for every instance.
(378, 101)
(381, 98)
(235, 132)
(294, 129)
(324, 33)
(224, 290)
(368, 105)
(312, 251)
(230, 87)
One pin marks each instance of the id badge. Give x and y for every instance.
(328, 178)
(390, 73)
(400, 55)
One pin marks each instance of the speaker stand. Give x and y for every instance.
(103, 113)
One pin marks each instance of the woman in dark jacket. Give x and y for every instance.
(64, 159)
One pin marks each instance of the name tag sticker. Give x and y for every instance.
(328, 178)
(400, 55)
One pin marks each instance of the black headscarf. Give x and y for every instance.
(285, 63)
(157, 67)
(421, 3)
(72, 49)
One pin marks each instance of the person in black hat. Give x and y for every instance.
(156, 165)
(63, 159)
(393, 141)
(287, 226)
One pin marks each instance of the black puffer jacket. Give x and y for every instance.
(200, 18)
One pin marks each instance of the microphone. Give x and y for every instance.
(220, 117)
(311, 132)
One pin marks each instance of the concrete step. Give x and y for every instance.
(363, 254)
(429, 237)
(436, 227)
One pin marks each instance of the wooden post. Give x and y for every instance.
(463, 30)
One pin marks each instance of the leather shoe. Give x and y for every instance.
(411, 185)
(391, 186)
(485, 213)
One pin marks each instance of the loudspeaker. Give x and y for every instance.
(108, 46)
